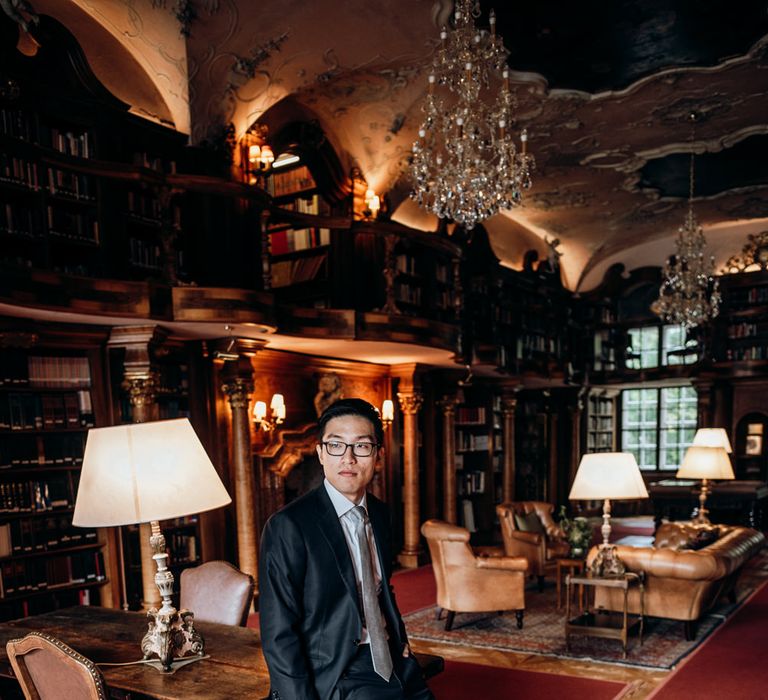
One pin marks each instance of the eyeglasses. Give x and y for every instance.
(359, 449)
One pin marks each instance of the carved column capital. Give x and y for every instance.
(448, 404)
(141, 388)
(410, 403)
(238, 391)
(508, 406)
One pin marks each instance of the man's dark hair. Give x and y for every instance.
(351, 407)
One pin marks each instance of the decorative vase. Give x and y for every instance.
(577, 552)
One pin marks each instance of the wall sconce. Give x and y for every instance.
(372, 204)
(387, 413)
(277, 413)
(256, 155)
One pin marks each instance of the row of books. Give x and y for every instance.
(752, 295)
(288, 272)
(287, 182)
(408, 293)
(308, 205)
(36, 496)
(290, 240)
(406, 264)
(472, 442)
(144, 205)
(66, 183)
(746, 330)
(474, 415)
(80, 225)
(470, 482)
(17, 124)
(18, 171)
(70, 142)
(20, 220)
(144, 253)
(30, 535)
(25, 451)
(157, 163)
(59, 371)
(753, 352)
(26, 575)
(30, 411)
(183, 547)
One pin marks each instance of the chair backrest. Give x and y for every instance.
(542, 509)
(47, 669)
(217, 592)
(448, 547)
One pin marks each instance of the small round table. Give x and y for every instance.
(573, 566)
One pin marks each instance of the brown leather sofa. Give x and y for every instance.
(541, 549)
(682, 583)
(470, 583)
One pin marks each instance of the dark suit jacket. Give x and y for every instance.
(309, 607)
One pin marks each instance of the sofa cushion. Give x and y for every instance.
(681, 536)
(529, 522)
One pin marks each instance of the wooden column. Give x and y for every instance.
(448, 405)
(238, 387)
(551, 491)
(576, 412)
(410, 402)
(140, 381)
(508, 406)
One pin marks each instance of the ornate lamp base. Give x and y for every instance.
(607, 563)
(171, 633)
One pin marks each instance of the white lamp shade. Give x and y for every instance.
(712, 437)
(143, 472)
(706, 463)
(613, 475)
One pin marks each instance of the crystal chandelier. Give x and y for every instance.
(465, 164)
(689, 294)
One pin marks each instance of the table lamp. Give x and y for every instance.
(705, 463)
(144, 473)
(712, 437)
(607, 475)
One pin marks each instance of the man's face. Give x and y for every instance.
(348, 473)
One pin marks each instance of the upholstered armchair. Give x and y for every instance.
(470, 583)
(529, 531)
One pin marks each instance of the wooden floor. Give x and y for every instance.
(642, 681)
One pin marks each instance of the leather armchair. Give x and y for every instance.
(217, 592)
(541, 549)
(470, 583)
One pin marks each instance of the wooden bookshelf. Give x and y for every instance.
(46, 408)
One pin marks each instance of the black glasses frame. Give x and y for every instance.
(373, 445)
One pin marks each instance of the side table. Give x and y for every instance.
(603, 623)
(572, 566)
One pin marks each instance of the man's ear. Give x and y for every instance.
(379, 466)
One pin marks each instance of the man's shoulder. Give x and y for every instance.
(304, 506)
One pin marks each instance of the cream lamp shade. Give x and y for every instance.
(613, 475)
(712, 437)
(143, 472)
(706, 463)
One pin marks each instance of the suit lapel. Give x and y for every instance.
(328, 523)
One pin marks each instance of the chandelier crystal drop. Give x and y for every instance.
(689, 294)
(465, 164)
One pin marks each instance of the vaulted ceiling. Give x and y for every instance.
(604, 89)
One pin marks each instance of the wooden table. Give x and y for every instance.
(235, 669)
(603, 623)
(572, 566)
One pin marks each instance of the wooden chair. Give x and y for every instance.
(217, 592)
(47, 669)
(470, 583)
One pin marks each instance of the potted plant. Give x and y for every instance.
(577, 531)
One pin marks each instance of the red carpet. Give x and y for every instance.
(414, 588)
(461, 681)
(731, 663)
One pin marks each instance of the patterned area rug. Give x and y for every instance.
(664, 643)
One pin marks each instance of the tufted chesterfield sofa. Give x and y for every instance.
(681, 583)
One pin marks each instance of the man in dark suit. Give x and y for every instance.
(330, 627)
